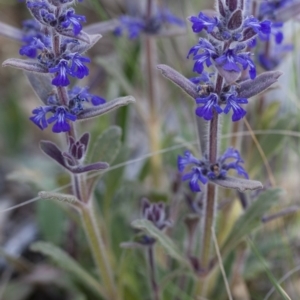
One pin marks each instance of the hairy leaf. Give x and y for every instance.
(262, 82)
(161, 237)
(174, 76)
(41, 84)
(26, 65)
(105, 108)
(239, 184)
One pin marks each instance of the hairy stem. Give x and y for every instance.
(154, 285)
(98, 250)
(211, 191)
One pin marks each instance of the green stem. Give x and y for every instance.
(98, 250)
(153, 119)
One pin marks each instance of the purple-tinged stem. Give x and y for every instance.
(152, 269)
(211, 191)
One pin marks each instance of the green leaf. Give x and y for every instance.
(107, 146)
(271, 144)
(251, 219)
(67, 263)
(162, 238)
(51, 220)
(273, 280)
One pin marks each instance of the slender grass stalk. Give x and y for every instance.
(153, 118)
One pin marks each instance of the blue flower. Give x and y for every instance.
(268, 8)
(60, 118)
(79, 95)
(62, 69)
(78, 69)
(136, 25)
(167, 17)
(36, 4)
(203, 22)
(194, 177)
(33, 39)
(204, 45)
(210, 104)
(39, 116)
(187, 159)
(208, 53)
(263, 29)
(202, 170)
(232, 102)
(269, 61)
(72, 19)
(203, 78)
(133, 25)
(234, 154)
(234, 62)
(31, 49)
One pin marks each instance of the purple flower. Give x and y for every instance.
(60, 118)
(187, 159)
(269, 61)
(39, 116)
(203, 78)
(167, 17)
(268, 8)
(80, 95)
(232, 102)
(32, 48)
(78, 68)
(202, 170)
(133, 25)
(33, 39)
(275, 30)
(155, 213)
(263, 29)
(194, 176)
(37, 4)
(205, 57)
(204, 45)
(71, 19)
(210, 104)
(232, 154)
(203, 22)
(234, 62)
(62, 69)
(197, 171)
(136, 25)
